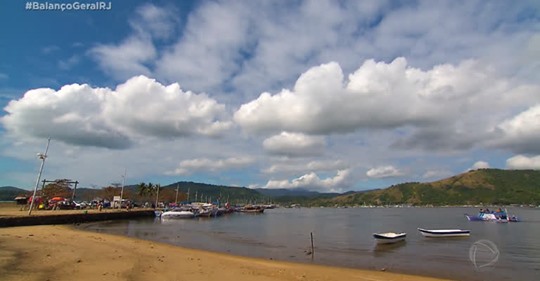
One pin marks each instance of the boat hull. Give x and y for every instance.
(178, 215)
(473, 218)
(501, 217)
(444, 232)
(251, 211)
(389, 238)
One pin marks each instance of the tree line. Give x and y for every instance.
(143, 192)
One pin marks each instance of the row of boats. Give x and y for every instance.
(499, 216)
(393, 237)
(207, 210)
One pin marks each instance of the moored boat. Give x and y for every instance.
(513, 219)
(444, 232)
(497, 216)
(389, 237)
(210, 212)
(490, 218)
(178, 214)
(251, 209)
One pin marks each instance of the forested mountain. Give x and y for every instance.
(484, 186)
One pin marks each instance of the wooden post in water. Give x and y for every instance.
(312, 248)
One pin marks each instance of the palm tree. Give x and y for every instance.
(149, 190)
(142, 189)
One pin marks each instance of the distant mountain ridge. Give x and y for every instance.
(8, 193)
(483, 186)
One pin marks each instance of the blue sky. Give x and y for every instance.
(322, 95)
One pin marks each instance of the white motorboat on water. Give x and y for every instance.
(444, 232)
(178, 214)
(389, 237)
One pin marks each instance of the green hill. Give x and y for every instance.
(8, 193)
(484, 186)
(204, 192)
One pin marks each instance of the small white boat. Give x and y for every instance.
(178, 215)
(444, 232)
(389, 237)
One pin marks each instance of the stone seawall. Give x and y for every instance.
(71, 218)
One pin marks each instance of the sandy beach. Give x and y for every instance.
(64, 253)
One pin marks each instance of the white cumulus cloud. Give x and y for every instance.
(145, 107)
(290, 166)
(480, 165)
(448, 106)
(521, 133)
(294, 144)
(138, 109)
(312, 181)
(522, 162)
(384, 172)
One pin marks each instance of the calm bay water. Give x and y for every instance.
(343, 237)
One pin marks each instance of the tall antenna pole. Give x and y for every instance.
(122, 190)
(42, 157)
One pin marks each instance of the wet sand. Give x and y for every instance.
(61, 252)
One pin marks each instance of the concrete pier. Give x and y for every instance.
(71, 218)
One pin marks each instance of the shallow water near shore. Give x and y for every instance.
(343, 237)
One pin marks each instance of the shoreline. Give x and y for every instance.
(54, 252)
